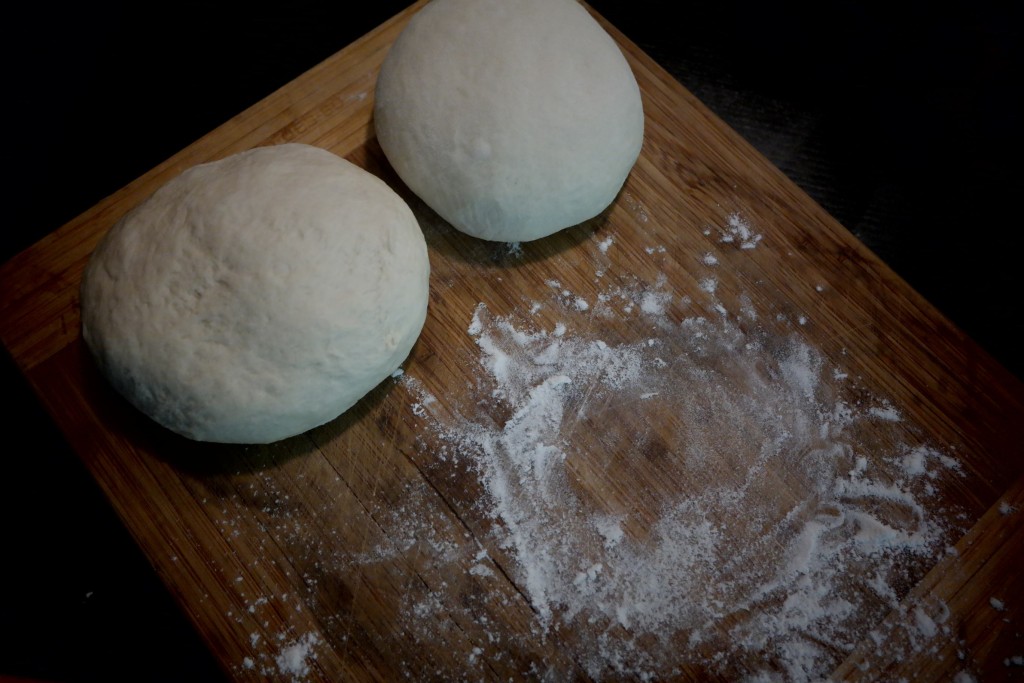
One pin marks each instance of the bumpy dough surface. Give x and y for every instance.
(512, 119)
(256, 297)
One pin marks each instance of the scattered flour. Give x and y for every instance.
(290, 663)
(781, 525)
(886, 412)
(654, 303)
(292, 660)
(738, 231)
(791, 511)
(924, 623)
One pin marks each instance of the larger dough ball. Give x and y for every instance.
(256, 297)
(512, 119)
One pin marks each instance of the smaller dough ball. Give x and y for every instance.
(254, 298)
(512, 119)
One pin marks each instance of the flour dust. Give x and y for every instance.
(709, 494)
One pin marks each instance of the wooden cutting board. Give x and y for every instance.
(703, 436)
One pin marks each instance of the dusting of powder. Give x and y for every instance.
(737, 230)
(791, 510)
(289, 663)
(292, 660)
(732, 568)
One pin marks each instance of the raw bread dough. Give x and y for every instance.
(256, 297)
(512, 119)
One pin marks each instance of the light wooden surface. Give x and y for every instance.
(268, 549)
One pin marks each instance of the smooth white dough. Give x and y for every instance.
(256, 297)
(512, 119)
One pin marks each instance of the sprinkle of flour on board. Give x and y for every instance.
(290, 661)
(794, 512)
(738, 231)
(735, 574)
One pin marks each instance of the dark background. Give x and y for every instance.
(904, 125)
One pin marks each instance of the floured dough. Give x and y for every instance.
(256, 297)
(512, 119)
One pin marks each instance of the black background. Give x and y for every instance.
(904, 125)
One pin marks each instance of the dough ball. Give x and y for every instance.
(512, 119)
(256, 297)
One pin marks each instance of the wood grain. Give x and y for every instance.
(307, 543)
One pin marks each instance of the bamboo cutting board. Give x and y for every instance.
(705, 435)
